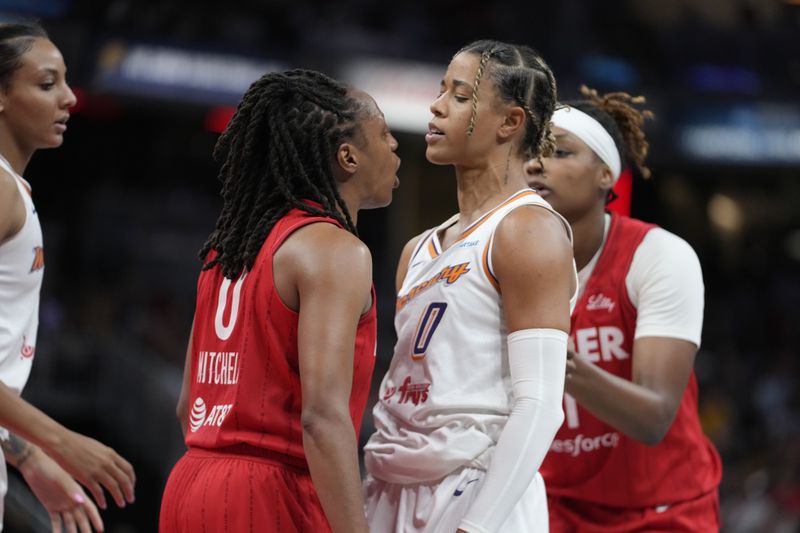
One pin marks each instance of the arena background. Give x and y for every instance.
(131, 196)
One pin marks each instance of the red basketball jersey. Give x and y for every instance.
(245, 377)
(592, 461)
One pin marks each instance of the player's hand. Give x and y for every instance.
(572, 366)
(62, 497)
(96, 466)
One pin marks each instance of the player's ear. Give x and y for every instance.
(512, 123)
(346, 161)
(605, 179)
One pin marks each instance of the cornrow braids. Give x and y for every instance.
(521, 77)
(547, 141)
(485, 55)
(276, 152)
(620, 114)
(544, 150)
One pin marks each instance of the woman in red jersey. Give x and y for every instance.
(631, 455)
(35, 102)
(282, 348)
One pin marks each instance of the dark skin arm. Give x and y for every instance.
(325, 273)
(182, 409)
(645, 407)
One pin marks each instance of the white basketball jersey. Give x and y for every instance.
(447, 394)
(21, 272)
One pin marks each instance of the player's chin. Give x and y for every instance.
(382, 199)
(53, 141)
(437, 156)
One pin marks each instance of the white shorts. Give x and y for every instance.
(439, 506)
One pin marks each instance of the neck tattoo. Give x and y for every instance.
(508, 164)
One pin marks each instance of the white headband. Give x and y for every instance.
(592, 133)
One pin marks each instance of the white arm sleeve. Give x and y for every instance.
(537, 360)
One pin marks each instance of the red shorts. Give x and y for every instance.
(700, 515)
(208, 491)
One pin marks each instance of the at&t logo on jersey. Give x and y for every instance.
(215, 417)
(198, 414)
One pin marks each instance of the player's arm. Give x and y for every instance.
(645, 407)
(182, 409)
(12, 208)
(532, 259)
(62, 497)
(670, 306)
(405, 258)
(87, 460)
(334, 273)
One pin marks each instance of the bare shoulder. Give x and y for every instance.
(533, 227)
(533, 263)
(12, 209)
(411, 245)
(323, 248)
(405, 258)
(8, 188)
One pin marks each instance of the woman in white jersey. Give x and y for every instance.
(34, 108)
(474, 390)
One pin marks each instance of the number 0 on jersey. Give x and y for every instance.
(427, 327)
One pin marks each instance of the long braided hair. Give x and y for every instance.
(277, 151)
(521, 77)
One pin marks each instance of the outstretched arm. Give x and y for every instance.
(532, 259)
(334, 272)
(87, 460)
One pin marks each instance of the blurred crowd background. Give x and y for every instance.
(130, 198)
